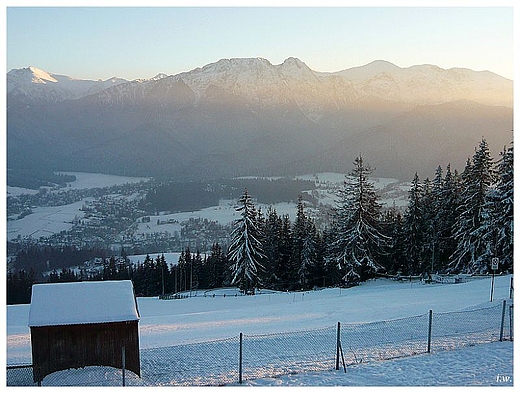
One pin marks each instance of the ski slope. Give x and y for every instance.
(202, 318)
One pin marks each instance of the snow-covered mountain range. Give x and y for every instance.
(245, 115)
(257, 80)
(36, 84)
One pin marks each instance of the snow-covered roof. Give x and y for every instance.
(82, 302)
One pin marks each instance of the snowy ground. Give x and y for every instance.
(172, 322)
(482, 365)
(46, 221)
(99, 180)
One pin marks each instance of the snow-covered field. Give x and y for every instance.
(483, 365)
(46, 221)
(99, 180)
(202, 318)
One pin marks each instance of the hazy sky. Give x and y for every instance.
(137, 42)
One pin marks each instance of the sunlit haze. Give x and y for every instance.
(98, 43)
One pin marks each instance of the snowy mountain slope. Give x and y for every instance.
(247, 116)
(257, 80)
(254, 82)
(35, 84)
(204, 318)
(429, 84)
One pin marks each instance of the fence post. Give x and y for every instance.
(240, 360)
(123, 364)
(503, 320)
(338, 343)
(430, 331)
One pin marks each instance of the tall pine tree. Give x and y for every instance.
(246, 250)
(304, 247)
(447, 206)
(413, 227)
(472, 252)
(272, 232)
(359, 242)
(498, 217)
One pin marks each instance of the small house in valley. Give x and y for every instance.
(74, 325)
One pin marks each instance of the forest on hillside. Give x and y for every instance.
(454, 223)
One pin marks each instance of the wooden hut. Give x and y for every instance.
(74, 325)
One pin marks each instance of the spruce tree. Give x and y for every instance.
(285, 272)
(472, 252)
(436, 219)
(216, 267)
(395, 260)
(497, 229)
(359, 242)
(246, 250)
(304, 247)
(272, 231)
(447, 207)
(413, 227)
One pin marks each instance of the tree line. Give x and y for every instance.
(453, 223)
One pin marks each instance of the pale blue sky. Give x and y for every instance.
(98, 43)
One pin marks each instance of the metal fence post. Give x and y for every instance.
(430, 331)
(240, 360)
(123, 365)
(338, 341)
(503, 320)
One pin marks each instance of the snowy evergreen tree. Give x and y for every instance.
(246, 250)
(321, 274)
(359, 243)
(435, 219)
(304, 247)
(473, 251)
(429, 223)
(395, 259)
(216, 265)
(413, 228)
(285, 272)
(447, 202)
(331, 249)
(272, 233)
(498, 213)
(196, 269)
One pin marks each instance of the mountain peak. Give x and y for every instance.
(294, 61)
(159, 76)
(374, 67)
(40, 76)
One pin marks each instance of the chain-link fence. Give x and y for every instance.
(20, 375)
(272, 355)
(361, 343)
(247, 357)
(209, 363)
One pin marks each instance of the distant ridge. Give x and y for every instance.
(246, 116)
